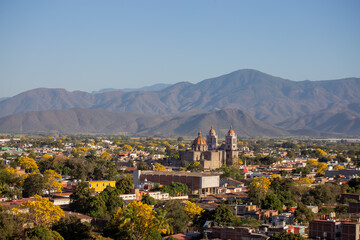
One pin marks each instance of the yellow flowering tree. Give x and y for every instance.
(28, 163)
(41, 212)
(52, 181)
(11, 170)
(305, 181)
(127, 147)
(106, 156)
(45, 157)
(312, 163)
(258, 188)
(166, 143)
(159, 167)
(192, 209)
(275, 176)
(321, 152)
(339, 167)
(139, 220)
(321, 168)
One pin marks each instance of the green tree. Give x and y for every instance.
(288, 145)
(224, 215)
(175, 212)
(247, 222)
(125, 185)
(43, 233)
(283, 173)
(267, 160)
(290, 154)
(71, 228)
(354, 185)
(142, 166)
(272, 201)
(286, 236)
(96, 207)
(303, 214)
(45, 164)
(6, 155)
(342, 208)
(34, 183)
(79, 200)
(302, 170)
(11, 225)
(232, 172)
(176, 189)
(324, 193)
(147, 199)
(112, 200)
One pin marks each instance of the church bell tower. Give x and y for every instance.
(211, 139)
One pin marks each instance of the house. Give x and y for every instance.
(99, 186)
(234, 233)
(198, 183)
(283, 219)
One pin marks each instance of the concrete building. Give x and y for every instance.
(325, 229)
(348, 173)
(354, 207)
(208, 152)
(234, 233)
(350, 196)
(334, 230)
(350, 231)
(198, 183)
(283, 219)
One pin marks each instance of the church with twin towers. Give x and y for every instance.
(209, 153)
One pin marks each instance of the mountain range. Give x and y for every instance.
(255, 103)
(155, 87)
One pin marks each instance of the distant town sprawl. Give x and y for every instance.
(210, 187)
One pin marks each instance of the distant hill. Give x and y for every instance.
(190, 124)
(102, 121)
(344, 120)
(155, 87)
(77, 120)
(267, 98)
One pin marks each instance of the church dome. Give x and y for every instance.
(231, 130)
(212, 130)
(199, 140)
(199, 144)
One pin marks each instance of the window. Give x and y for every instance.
(97, 185)
(90, 185)
(103, 184)
(109, 184)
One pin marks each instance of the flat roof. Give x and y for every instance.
(95, 181)
(190, 174)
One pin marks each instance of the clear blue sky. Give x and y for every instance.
(89, 45)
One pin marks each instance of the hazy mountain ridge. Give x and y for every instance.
(155, 87)
(267, 98)
(78, 120)
(337, 119)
